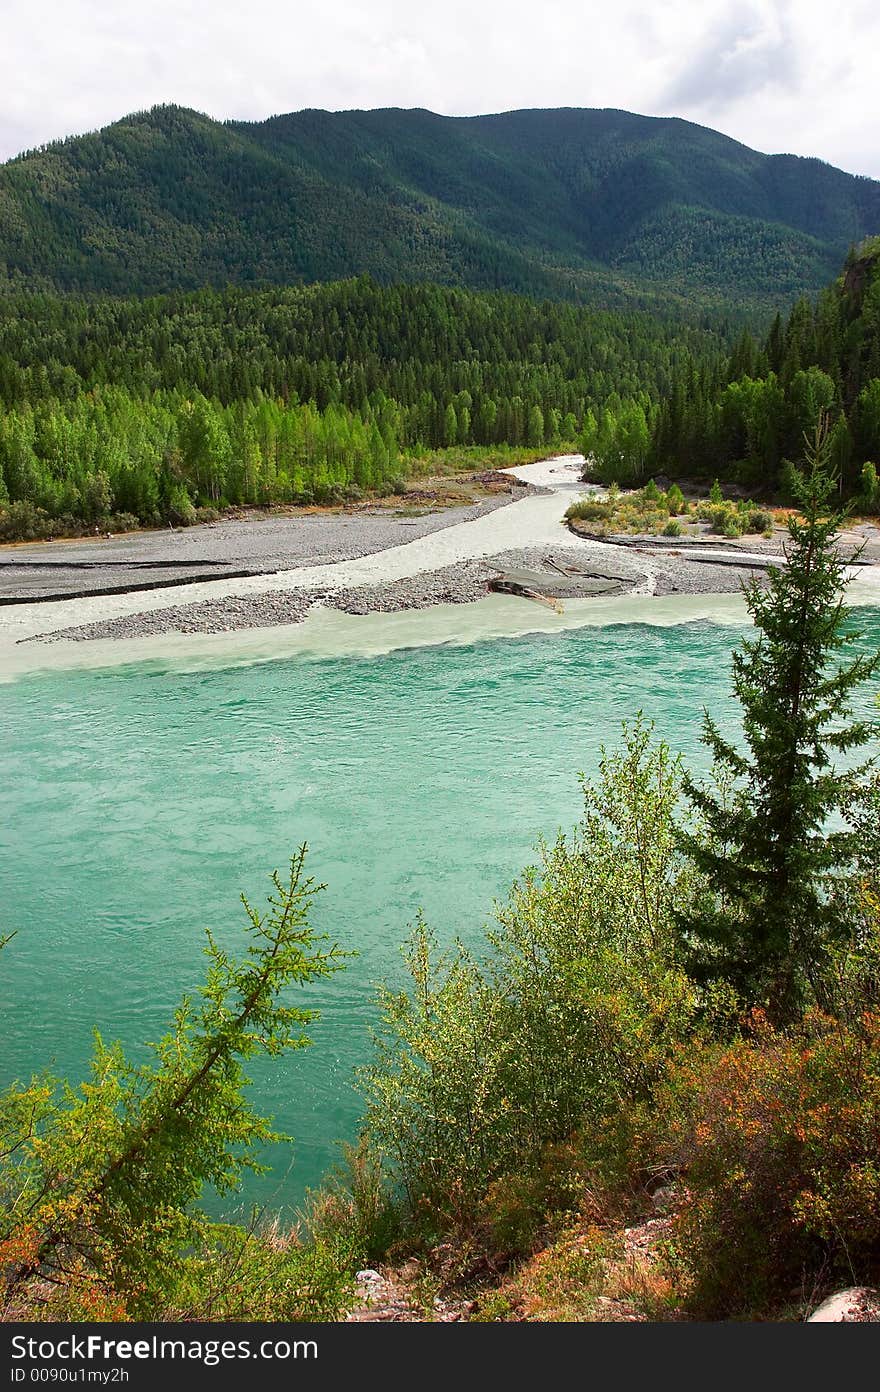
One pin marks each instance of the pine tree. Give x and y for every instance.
(779, 825)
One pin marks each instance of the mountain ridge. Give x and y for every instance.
(594, 204)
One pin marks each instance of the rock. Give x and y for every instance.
(664, 1199)
(856, 1305)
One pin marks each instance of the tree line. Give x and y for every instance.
(150, 408)
(156, 458)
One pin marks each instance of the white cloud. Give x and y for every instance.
(777, 74)
(751, 50)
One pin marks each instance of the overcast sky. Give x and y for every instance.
(781, 75)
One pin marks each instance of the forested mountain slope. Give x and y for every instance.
(342, 342)
(593, 204)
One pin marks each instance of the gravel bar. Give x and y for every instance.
(220, 550)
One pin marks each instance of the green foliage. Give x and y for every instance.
(99, 1184)
(355, 1210)
(484, 1066)
(319, 395)
(648, 511)
(759, 520)
(260, 1273)
(715, 495)
(616, 446)
(571, 203)
(748, 414)
(780, 826)
(870, 485)
(22, 521)
(589, 510)
(180, 508)
(724, 518)
(675, 500)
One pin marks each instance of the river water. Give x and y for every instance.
(140, 800)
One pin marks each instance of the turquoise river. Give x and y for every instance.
(138, 802)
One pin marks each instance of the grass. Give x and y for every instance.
(589, 1274)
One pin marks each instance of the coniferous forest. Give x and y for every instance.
(749, 416)
(742, 417)
(600, 206)
(149, 408)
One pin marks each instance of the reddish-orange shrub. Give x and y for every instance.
(777, 1138)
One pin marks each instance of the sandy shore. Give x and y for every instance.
(360, 565)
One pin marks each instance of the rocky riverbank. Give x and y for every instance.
(599, 570)
(358, 563)
(454, 585)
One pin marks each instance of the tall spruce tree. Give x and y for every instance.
(780, 822)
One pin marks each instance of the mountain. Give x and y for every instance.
(598, 205)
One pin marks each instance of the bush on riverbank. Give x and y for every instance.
(541, 1100)
(24, 522)
(648, 511)
(777, 1139)
(485, 1067)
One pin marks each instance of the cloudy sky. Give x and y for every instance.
(781, 75)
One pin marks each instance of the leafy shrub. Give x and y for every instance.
(870, 493)
(181, 509)
(388, 488)
(484, 1065)
(715, 494)
(263, 1273)
(644, 521)
(672, 528)
(97, 496)
(675, 500)
(759, 521)
(23, 521)
(725, 520)
(589, 510)
(778, 1136)
(518, 1207)
(354, 1209)
(122, 522)
(788, 480)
